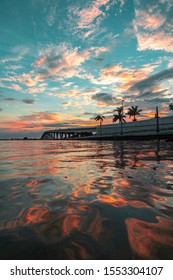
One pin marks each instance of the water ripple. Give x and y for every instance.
(86, 200)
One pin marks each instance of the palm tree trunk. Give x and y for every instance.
(157, 120)
(100, 127)
(121, 123)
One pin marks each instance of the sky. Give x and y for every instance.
(62, 62)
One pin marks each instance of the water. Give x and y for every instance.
(86, 200)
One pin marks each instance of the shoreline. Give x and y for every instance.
(166, 137)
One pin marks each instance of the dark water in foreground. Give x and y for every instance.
(86, 200)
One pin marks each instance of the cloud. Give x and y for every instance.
(68, 84)
(157, 41)
(28, 101)
(148, 20)
(40, 61)
(36, 90)
(13, 67)
(36, 120)
(72, 123)
(1, 109)
(44, 13)
(56, 56)
(40, 116)
(87, 114)
(17, 125)
(64, 64)
(61, 124)
(153, 25)
(9, 99)
(122, 77)
(11, 59)
(70, 93)
(89, 15)
(30, 82)
(160, 100)
(58, 63)
(87, 18)
(92, 114)
(66, 104)
(131, 83)
(89, 91)
(152, 81)
(45, 119)
(88, 33)
(94, 13)
(15, 87)
(104, 98)
(170, 64)
(152, 94)
(17, 54)
(61, 65)
(51, 15)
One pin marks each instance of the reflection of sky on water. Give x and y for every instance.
(86, 199)
(151, 240)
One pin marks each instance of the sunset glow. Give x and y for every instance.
(63, 62)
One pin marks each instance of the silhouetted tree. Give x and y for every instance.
(171, 107)
(100, 118)
(133, 112)
(119, 116)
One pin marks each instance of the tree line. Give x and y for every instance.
(119, 115)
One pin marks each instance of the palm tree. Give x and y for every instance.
(133, 111)
(119, 117)
(119, 109)
(171, 107)
(100, 118)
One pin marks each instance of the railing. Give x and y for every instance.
(127, 130)
(72, 129)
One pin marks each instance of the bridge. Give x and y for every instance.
(155, 127)
(69, 133)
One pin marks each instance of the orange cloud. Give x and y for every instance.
(40, 61)
(73, 58)
(29, 82)
(66, 64)
(15, 87)
(17, 125)
(148, 20)
(87, 16)
(152, 25)
(151, 114)
(124, 77)
(88, 33)
(42, 120)
(157, 41)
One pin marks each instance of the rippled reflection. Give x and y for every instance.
(86, 200)
(151, 240)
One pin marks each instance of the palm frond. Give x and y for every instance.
(171, 107)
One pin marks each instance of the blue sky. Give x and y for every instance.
(63, 62)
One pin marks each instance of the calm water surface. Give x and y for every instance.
(86, 200)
